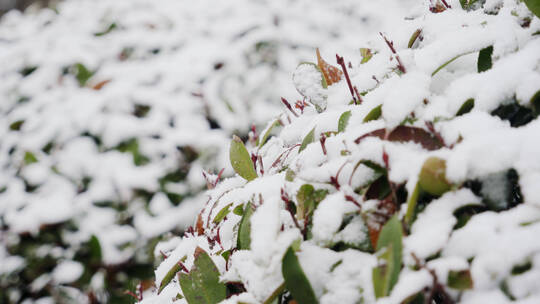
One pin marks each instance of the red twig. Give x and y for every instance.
(259, 160)
(288, 105)
(323, 145)
(391, 46)
(287, 201)
(353, 200)
(344, 68)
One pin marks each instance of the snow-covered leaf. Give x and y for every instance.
(201, 285)
(296, 281)
(240, 159)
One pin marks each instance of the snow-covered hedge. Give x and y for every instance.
(110, 111)
(411, 176)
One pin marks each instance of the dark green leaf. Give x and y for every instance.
(415, 299)
(374, 114)
(460, 280)
(222, 214)
(390, 240)
(484, 59)
(534, 6)
(466, 107)
(240, 159)
(295, 279)
(95, 249)
(28, 70)
(310, 137)
(202, 285)
(535, 103)
(244, 229)
(521, 268)
(515, 113)
(343, 121)
(16, 126)
(226, 254)
(465, 213)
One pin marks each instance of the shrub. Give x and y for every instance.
(111, 109)
(411, 177)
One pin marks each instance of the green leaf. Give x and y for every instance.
(109, 29)
(290, 175)
(413, 38)
(202, 285)
(222, 214)
(515, 113)
(95, 249)
(308, 198)
(535, 103)
(390, 243)
(484, 59)
(460, 280)
(240, 159)
(171, 273)
(374, 114)
(238, 210)
(29, 158)
(432, 178)
(262, 140)
(448, 62)
(226, 254)
(279, 290)
(534, 6)
(169, 276)
(411, 206)
(343, 121)
(466, 107)
(296, 280)
(366, 55)
(28, 70)
(244, 229)
(310, 137)
(132, 146)
(16, 126)
(82, 74)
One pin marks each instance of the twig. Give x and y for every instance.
(344, 68)
(391, 46)
(288, 105)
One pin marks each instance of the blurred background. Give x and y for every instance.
(110, 111)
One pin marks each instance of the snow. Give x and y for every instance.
(67, 272)
(182, 77)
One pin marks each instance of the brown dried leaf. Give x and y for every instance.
(330, 73)
(200, 225)
(98, 86)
